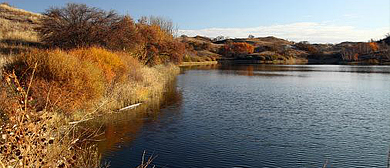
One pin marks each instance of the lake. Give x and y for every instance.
(261, 116)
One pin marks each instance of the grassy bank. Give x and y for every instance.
(52, 80)
(43, 92)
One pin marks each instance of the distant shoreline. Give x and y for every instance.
(301, 61)
(184, 64)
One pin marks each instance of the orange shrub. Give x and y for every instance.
(237, 49)
(110, 63)
(159, 46)
(68, 81)
(374, 46)
(61, 80)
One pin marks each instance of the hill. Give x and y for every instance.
(17, 29)
(17, 34)
(276, 50)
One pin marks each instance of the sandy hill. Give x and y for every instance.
(17, 29)
(18, 24)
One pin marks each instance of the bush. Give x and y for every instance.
(70, 80)
(159, 46)
(61, 80)
(237, 49)
(108, 62)
(123, 35)
(374, 46)
(165, 24)
(77, 25)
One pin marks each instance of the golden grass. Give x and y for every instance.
(110, 63)
(43, 90)
(18, 24)
(149, 85)
(11, 30)
(62, 81)
(31, 138)
(8, 10)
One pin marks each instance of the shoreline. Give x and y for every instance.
(300, 62)
(185, 64)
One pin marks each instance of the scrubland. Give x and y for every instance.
(51, 82)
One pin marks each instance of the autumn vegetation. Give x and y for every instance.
(272, 50)
(237, 49)
(86, 62)
(69, 64)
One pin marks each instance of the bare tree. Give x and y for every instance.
(77, 25)
(165, 24)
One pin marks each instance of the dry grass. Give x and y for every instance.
(11, 12)
(81, 79)
(31, 138)
(110, 63)
(144, 84)
(43, 90)
(17, 31)
(62, 81)
(18, 24)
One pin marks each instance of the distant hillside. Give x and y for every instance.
(276, 50)
(17, 34)
(17, 29)
(18, 23)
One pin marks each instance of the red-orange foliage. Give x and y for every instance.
(123, 35)
(78, 25)
(237, 49)
(159, 46)
(374, 46)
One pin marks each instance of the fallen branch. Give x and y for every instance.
(76, 122)
(130, 107)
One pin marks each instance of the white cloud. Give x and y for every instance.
(303, 31)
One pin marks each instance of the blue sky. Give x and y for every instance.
(312, 20)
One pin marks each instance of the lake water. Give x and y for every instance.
(262, 116)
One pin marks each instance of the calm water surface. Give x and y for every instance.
(262, 116)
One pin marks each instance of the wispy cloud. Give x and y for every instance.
(351, 16)
(303, 31)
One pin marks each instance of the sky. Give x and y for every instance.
(316, 21)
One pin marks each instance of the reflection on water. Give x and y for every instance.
(121, 128)
(262, 116)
